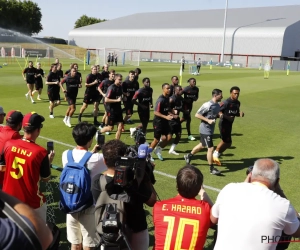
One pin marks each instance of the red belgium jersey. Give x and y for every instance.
(22, 175)
(6, 134)
(181, 223)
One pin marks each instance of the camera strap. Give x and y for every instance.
(11, 214)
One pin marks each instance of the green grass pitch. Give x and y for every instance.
(270, 127)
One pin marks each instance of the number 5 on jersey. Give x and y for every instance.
(18, 173)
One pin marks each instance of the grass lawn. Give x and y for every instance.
(269, 128)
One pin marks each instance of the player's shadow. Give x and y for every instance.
(244, 163)
(236, 134)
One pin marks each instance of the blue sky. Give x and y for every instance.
(59, 16)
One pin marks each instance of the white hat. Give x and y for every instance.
(2, 111)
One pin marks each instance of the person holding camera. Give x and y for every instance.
(25, 164)
(182, 222)
(135, 224)
(91, 95)
(260, 209)
(81, 225)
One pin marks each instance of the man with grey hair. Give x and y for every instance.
(255, 211)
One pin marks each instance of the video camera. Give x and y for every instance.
(135, 164)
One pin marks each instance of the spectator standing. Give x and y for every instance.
(81, 225)
(26, 163)
(10, 131)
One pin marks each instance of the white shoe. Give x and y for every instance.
(65, 121)
(107, 133)
(173, 152)
(68, 124)
(51, 116)
(32, 101)
(132, 130)
(26, 95)
(216, 154)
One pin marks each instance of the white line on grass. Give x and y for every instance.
(155, 171)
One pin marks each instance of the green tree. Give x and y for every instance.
(84, 20)
(22, 16)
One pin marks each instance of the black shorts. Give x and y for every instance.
(53, 96)
(187, 111)
(225, 132)
(91, 98)
(144, 116)
(128, 107)
(175, 127)
(38, 85)
(114, 117)
(30, 82)
(161, 128)
(206, 141)
(71, 99)
(106, 107)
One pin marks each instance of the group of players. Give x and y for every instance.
(172, 108)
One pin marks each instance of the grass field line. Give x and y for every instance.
(155, 171)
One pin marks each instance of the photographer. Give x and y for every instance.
(136, 224)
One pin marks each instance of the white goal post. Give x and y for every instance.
(124, 56)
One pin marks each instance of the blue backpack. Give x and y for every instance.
(75, 185)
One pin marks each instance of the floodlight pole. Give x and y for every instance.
(224, 32)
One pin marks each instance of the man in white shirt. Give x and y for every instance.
(252, 215)
(81, 226)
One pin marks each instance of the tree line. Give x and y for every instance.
(25, 17)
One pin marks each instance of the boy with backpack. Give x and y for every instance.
(80, 166)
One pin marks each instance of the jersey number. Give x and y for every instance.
(18, 173)
(179, 236)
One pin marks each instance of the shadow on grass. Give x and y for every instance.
(244, 163)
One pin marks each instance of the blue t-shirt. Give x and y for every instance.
(12, 237)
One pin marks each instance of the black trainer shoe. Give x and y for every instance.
(187, 158)
(215, 171)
